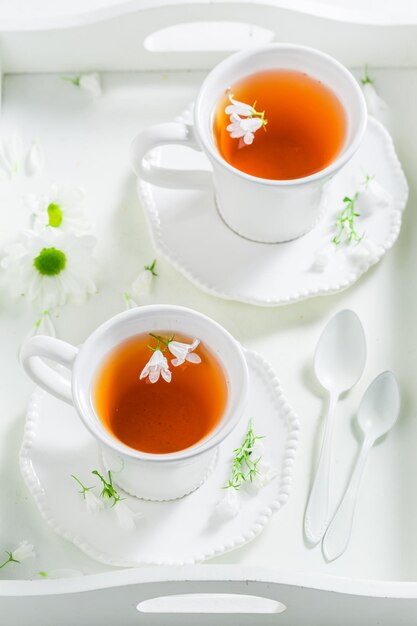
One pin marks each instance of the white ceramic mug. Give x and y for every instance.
(148, 476)
(269, 211)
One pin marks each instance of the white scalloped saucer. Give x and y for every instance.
(56, 445)
(188, 231)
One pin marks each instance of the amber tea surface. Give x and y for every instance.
(305, 132)
(159, 417)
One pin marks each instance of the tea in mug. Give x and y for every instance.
(305, 130)
(159, 417)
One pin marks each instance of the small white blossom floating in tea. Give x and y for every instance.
(158, 366)
(184, 352)
(245, 120)
(23, 551)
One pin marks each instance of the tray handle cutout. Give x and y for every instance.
(205, 603)
(207, 36)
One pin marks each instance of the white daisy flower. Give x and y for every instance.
(60, 208)
(244, 128)
(126, 518)
(23, 551)
(156, 366)
(228, 506)
(35, 159)
(11, 151)
(184, 352)
(51, 267)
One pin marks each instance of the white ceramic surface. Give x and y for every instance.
(231, 267)
(285, 209)
(57, 445)
(150, 476)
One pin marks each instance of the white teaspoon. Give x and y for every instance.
(378, 412)
(339, 363)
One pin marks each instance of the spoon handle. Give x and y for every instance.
(317, 512)
(336, 539)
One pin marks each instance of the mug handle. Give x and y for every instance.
(32, 353)
(176, 133)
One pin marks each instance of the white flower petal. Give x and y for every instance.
(43, 326)
(181, 351)
(35, 159)
(23, 551)
(74, 282)
(373, 197)
(91, 83)
(142, 284)
(130, 303)
(93, 503)
(126, 518)
(239, 108)
(375, 104)
(248, 138)
(193, 358)
(228, 506)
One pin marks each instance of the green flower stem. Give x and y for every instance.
(162, 344)
(244, 467)
(345, 223)
(84, 489)
(366, 80)
(151, 268)
(108, 492)
(9, 560)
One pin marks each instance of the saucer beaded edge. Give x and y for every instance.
(285, 411)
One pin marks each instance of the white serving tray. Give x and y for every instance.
(86, 143)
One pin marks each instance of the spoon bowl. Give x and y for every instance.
(341, 353)
(380, 406)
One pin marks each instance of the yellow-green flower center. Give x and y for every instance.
(55, 215)
(50, 261)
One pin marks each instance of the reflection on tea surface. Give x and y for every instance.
(305, 129)
(159, 417)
